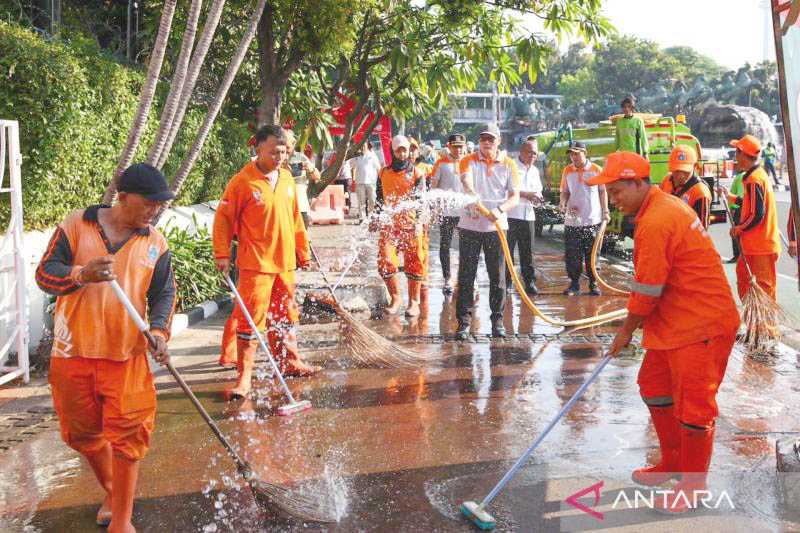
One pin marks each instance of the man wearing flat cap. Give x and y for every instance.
(445, 176)
(101, 383)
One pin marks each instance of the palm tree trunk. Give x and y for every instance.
(178, 79)
(198, 57)
(216, 105)
(146, 98)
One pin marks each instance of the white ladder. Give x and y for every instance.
(14, 334)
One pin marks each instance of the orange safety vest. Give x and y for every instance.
(679, 285)
(270, 229)
(763, 238)
(694, 192)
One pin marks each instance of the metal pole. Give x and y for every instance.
(129, 32)
(787, 121)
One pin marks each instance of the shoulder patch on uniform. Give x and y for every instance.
(257, 195)
(152, 253)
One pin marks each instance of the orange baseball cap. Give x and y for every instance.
(683, 158)
(748, 144)
(622, 166)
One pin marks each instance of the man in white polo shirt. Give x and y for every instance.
(522, 217)
(445, 176)
(496, 184)
(365, 169)
(585, 207)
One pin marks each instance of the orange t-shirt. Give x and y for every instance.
(267, 222)
(679, 285)
(759, 237)
(89, 320)
(695, 193)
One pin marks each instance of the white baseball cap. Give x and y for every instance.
(400, 140)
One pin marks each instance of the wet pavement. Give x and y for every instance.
(398, 450)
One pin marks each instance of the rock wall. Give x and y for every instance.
(715, 124)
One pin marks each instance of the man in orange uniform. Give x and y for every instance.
(681, 299)
(682, 183)
(398, 182)
(101, 383)
(260, 203)
(757, 229)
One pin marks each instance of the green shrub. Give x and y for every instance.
(193, 263)
(75, 105)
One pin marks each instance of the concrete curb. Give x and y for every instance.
(207, 309)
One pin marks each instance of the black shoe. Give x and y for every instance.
(593, 290)
(462, 332)
(573, 290)
(498, 330)
(531, 289)
(732, 260)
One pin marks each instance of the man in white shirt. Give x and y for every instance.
(365, 170)
(585, 207)
(522, 217)
(445, 176)
(496, 184)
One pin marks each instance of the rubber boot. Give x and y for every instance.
(414, 288)
(669, 440)
(126, 473)
(228, 357)
(283, 343)
(246, 356)
(695, 457)
(394, 295)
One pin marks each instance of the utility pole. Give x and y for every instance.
(132, 29)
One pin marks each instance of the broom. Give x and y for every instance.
(365, 345)
(275, 498)
(761, 314)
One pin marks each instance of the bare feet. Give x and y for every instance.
(413, 309)
(394, 307)
(104, 513)
(299, 368)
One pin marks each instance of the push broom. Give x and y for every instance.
(293, 406)
(274, 498)
(364, 344)
(476, 512)
(761, 315)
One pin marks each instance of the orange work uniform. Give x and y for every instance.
(402, 233)
(760, 240)
(695, 193)
(690, 315)
(101, 383)
(272, 243)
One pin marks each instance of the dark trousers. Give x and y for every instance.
(578, 242)
(735, 222)
(770, 168)
(520, 235)
(446, 230)
(470, 244)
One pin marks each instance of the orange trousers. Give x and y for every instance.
(101, 401)
(402, 239)
(763, 267)
(690, 376)
(269, 299)
(227, 354)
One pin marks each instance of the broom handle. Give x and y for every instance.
(134, 314)
(741, 252)
(521, 461)
(322, 271)
(258, 335)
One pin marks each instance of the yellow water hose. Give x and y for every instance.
(591, 321)
(598, 242)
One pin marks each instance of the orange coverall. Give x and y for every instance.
(691, 317)
(402, 234)
(101, 383)
(695, 193)
(272, 243)
(760, 241)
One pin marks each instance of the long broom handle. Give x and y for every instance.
(738, 239)
(134, 314)
(521, 461)
(264, 346)
(322, 271)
